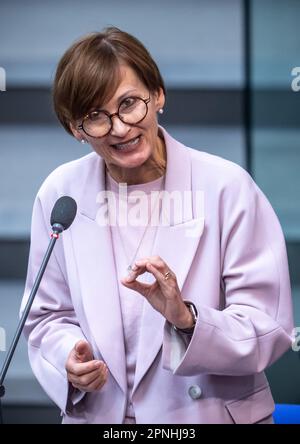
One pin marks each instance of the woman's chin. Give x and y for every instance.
(134, 162)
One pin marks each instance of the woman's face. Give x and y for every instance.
(144, 135)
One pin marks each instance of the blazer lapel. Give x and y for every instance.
(176, 244)
(97, 277)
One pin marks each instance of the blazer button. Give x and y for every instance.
(195, 392)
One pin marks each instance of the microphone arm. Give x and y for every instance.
(57, 229)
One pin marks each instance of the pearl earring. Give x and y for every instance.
(83, 141)
(160, 111)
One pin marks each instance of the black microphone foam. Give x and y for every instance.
(63, 212)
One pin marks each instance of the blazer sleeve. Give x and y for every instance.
(51, 329)
(254, 324)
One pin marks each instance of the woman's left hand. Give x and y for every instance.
(164, 294)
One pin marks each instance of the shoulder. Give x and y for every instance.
(219, 175)
(210, 163)
(208, 169)
(68, 177)
(229, 186)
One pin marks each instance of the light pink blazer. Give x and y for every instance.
(233, 267)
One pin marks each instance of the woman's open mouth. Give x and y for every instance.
(127, 146)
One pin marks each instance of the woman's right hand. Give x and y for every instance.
(84, 372)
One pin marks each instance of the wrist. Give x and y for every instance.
(186, 320)
(188, 323)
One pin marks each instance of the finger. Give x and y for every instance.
(160, 272)
(131, 282)
(101, 384)
(154, 260)
(157, 262)
(97, 384)
(81, 368)
(90, 385)
(152, 268)
(80, 346)
(140, 287)
(83, 351)
(156, 273)
(134, 273)
(86, 378)
(140, 267)
(83, 388)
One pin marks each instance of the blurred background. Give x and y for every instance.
(227, 65)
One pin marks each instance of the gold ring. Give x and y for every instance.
(167, 275)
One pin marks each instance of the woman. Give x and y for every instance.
(172, 320)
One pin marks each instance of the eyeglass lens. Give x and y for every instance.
(131, 110)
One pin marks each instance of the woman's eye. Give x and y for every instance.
(96, 115)
(130, 101)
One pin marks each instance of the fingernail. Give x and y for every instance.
(134, 267)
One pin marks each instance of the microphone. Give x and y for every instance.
(62, 217)
(63, 213)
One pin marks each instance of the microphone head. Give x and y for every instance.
(63, 213)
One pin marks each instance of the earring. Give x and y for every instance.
(160, 111)
(83, 141)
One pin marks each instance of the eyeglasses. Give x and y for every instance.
(98, 123)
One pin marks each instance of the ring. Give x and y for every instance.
(167, 275)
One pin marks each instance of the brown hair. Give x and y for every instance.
(88, 73)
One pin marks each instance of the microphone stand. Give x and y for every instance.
(57, 229)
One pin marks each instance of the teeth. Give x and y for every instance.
(123, 146)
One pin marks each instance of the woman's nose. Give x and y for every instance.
(119, 128)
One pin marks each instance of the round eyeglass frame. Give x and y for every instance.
(110, 116)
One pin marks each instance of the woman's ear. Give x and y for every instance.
(160, 99)
(76, 133)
